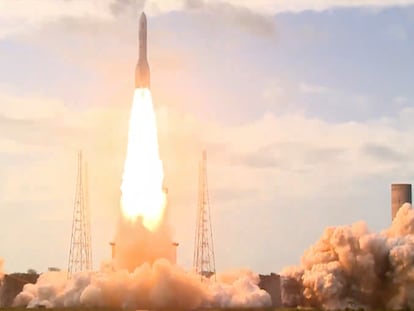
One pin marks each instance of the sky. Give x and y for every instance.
(305, 109)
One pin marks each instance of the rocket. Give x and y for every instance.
(142, 71)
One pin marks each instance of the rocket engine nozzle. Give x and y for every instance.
(142, 75)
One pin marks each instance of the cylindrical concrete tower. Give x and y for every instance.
(400, 194)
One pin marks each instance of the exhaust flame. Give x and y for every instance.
(142, 180)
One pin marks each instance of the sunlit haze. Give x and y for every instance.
(305, 109)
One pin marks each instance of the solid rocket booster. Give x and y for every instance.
(142, 71)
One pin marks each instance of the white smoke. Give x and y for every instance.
(141, 277)
(159, 285)
(351, 267)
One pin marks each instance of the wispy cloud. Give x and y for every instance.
(397, 32)
(242, 16)
(313, 88)
(278, 6)
(22, 17)
(385, 153)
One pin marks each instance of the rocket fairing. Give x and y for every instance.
(142, 71)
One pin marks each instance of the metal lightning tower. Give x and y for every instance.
(203, 260)
(80, 255)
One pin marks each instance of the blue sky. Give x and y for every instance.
(305, 112)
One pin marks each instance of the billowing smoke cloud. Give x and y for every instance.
(159, 285)
(137, 279)
(351, 267)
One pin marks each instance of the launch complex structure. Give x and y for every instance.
(80, 255)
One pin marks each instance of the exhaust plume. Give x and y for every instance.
(351, 267)
(142, 233)
(136, 245)
(143, 198)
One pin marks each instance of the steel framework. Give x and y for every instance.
(203, 260)
(80, 255)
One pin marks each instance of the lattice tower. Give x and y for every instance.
(203, 260)
(80, 255)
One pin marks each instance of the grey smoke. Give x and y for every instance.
(238, 15)
(119, 7)
(352, 267)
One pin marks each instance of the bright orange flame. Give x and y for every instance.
(142, 181)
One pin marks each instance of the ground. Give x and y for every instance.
(109, 309)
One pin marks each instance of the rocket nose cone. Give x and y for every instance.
(143, 16)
